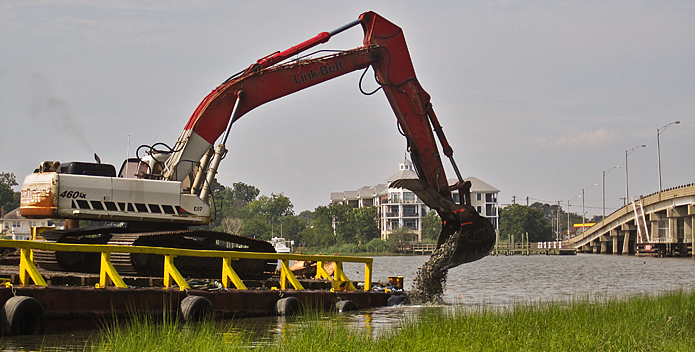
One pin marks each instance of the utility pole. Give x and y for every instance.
(568, 219)
(557, 236)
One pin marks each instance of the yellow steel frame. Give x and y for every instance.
(229, 276)
(108, 274)
(287, 275)
(27, 268)
(170, 272)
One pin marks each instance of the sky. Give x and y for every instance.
(537, 98)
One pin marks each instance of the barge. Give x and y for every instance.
(33, 298)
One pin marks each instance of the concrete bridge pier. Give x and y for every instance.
(595, 247)
(626, 242)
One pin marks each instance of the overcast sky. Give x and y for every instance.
(537, 98)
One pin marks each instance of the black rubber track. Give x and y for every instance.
(128, 264)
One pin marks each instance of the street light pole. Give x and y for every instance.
(584, 213)
(658, 150)
(628, 152)
(605, 172)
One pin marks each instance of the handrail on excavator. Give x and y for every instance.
(108, 274)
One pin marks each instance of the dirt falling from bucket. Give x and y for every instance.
(430, 279)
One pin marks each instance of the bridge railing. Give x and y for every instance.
(109, 275)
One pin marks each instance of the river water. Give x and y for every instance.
(504, 280)
(497, 281)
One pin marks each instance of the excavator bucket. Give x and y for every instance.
(477, 237)
(476, 233)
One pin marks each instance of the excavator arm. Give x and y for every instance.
(385, 50)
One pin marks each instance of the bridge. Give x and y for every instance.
(660, 224)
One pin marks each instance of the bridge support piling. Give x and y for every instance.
(615, 244)
(626, 243)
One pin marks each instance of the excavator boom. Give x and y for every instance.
(385, 50)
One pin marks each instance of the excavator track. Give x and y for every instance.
(153, 265)
(138, 264)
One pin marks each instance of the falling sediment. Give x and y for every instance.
(430, 279)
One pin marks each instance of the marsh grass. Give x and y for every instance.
(643, 323)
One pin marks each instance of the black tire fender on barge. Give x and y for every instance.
(287, 306)
(23, 315)
(196, 308)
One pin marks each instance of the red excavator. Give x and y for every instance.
(157, 196)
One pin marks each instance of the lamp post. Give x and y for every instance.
(605, 172)
(658, 150)
(628, 152)
(584, 213)
(568, 214)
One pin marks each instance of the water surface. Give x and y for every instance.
(497, 281)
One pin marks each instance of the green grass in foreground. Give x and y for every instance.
(664, 323)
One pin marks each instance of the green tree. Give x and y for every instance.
(365, 224)
(518, 219)
(331, 225)
(321, 233)
(9, 199)
(400, 236)
(307, 216)
(271, 208)
(256, 227)
(244, 192)
(291, 228)
(431, 226)
(550, 211)
(227, 209)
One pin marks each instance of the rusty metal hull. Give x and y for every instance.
(61, 302)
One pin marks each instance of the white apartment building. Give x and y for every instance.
(400, 207)
(17, 227)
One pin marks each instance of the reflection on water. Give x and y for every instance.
(493, 281)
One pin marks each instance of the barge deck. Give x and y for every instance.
(31, 296)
